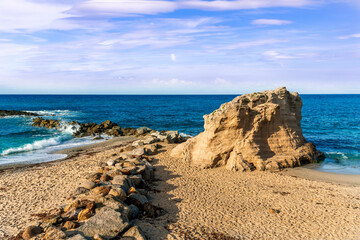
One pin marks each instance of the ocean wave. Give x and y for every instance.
(40, 144)
(186, 135)
(53, 112)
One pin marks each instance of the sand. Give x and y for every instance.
(200, 203)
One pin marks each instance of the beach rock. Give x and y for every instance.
(140, 198)
(258, 131)
(84, 214)
(53, 233)
(103, 190)
(119, 193)
(135, 233)
(31, 231)
(70, 225)
(88, 185)
(138, 151)
(4, 113)
(143, 130)
(107, 223)
(150, 140)
(122, 182)
(134, 211)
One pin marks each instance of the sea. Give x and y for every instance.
(331, 122)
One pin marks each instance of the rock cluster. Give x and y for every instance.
(4, 113)
(105, 203)
(110, 129)
(258, 131)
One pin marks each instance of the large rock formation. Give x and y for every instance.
(258, 131)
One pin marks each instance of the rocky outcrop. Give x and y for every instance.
(258, 131)
(110, 129)
(5, 113)
(109, 200)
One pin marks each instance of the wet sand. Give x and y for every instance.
(200, 203)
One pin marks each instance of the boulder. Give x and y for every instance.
(31, 231)
(258, 131)
(107, 223)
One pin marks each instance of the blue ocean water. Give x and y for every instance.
(329, 121)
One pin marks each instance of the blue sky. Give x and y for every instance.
(183, 46)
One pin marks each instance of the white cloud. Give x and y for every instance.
(173, 57)
(26, 15)
(356, 35)
(274, 55)
(151, 7)
(270, 22)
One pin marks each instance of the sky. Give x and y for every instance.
(179, 46)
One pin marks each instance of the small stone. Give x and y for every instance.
(101, 190)
(84, 214)
(31, 231)
(132, 190)
(70, 225)
(273, 211)
(111, 163)
(135, 233)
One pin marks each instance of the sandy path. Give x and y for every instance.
(236, 205)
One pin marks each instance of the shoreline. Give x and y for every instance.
(308, 171)
(69, 152)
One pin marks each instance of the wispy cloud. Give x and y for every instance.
(248, 44)
(20, 15)
(356, 35)
(274, 55)
(173, 57)
(151, 7)
(270, 22)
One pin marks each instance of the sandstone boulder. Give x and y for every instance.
(258, 131)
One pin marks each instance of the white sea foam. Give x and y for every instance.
(186, 135)
(53, 112)
(40, 144)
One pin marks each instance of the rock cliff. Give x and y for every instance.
(258, 131)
